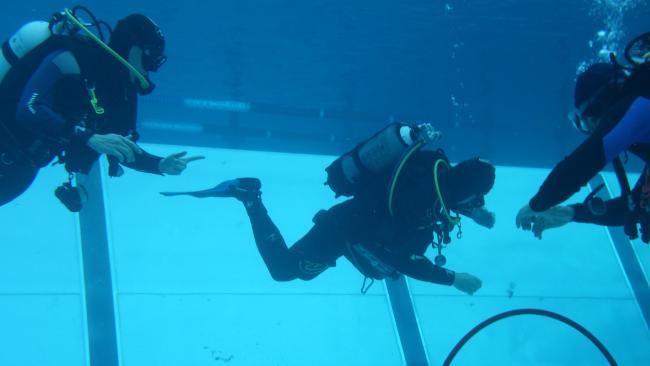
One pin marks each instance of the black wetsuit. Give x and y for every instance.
(361, 229)
(46, 111)
(626, 127)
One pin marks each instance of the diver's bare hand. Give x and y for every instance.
(552, 218)
(467, 283)
(483, 217)
(115, 145)
(537, 222)
(175, 164)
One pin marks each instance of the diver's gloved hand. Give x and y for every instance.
(537, 222)
(115, 145)
(483, 217)
(426, 133)
(467, 283)
(174, 164)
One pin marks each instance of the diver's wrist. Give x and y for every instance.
(82, 135)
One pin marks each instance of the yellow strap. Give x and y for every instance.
(143, 81)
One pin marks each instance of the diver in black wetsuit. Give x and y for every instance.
(381, 233)
(613, 106)
(64, 93)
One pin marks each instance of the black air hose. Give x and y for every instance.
(540, 312)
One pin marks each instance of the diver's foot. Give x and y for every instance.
(243, 189)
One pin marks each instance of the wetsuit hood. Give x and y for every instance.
(470, 177)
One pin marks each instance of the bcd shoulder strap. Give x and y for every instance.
(630, 220)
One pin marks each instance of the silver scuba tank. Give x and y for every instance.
(27, 38)
(384, 149)
(376, 155)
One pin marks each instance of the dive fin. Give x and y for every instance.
(237, 188)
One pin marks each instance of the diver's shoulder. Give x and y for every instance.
(66, 62)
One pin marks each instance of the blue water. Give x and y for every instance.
(188, 283)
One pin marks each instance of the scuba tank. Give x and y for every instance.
(26, 39)
(375, 156)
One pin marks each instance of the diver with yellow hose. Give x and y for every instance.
(65, 92)
(403, 200)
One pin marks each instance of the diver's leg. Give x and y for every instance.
(304, 260)
(310, 256)
(279, 260)
(14, 179)
(277, 257)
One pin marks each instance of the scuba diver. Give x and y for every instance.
(402, 196)
(612, 104)
(65, 93)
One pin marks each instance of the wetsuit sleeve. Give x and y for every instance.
(616, 209)
(58, 76)
(146, 163)
(570, 175)
(421, 268)
(614, 214)
(591, 156)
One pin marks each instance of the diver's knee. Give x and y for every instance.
(308, 270)
(283, 276)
